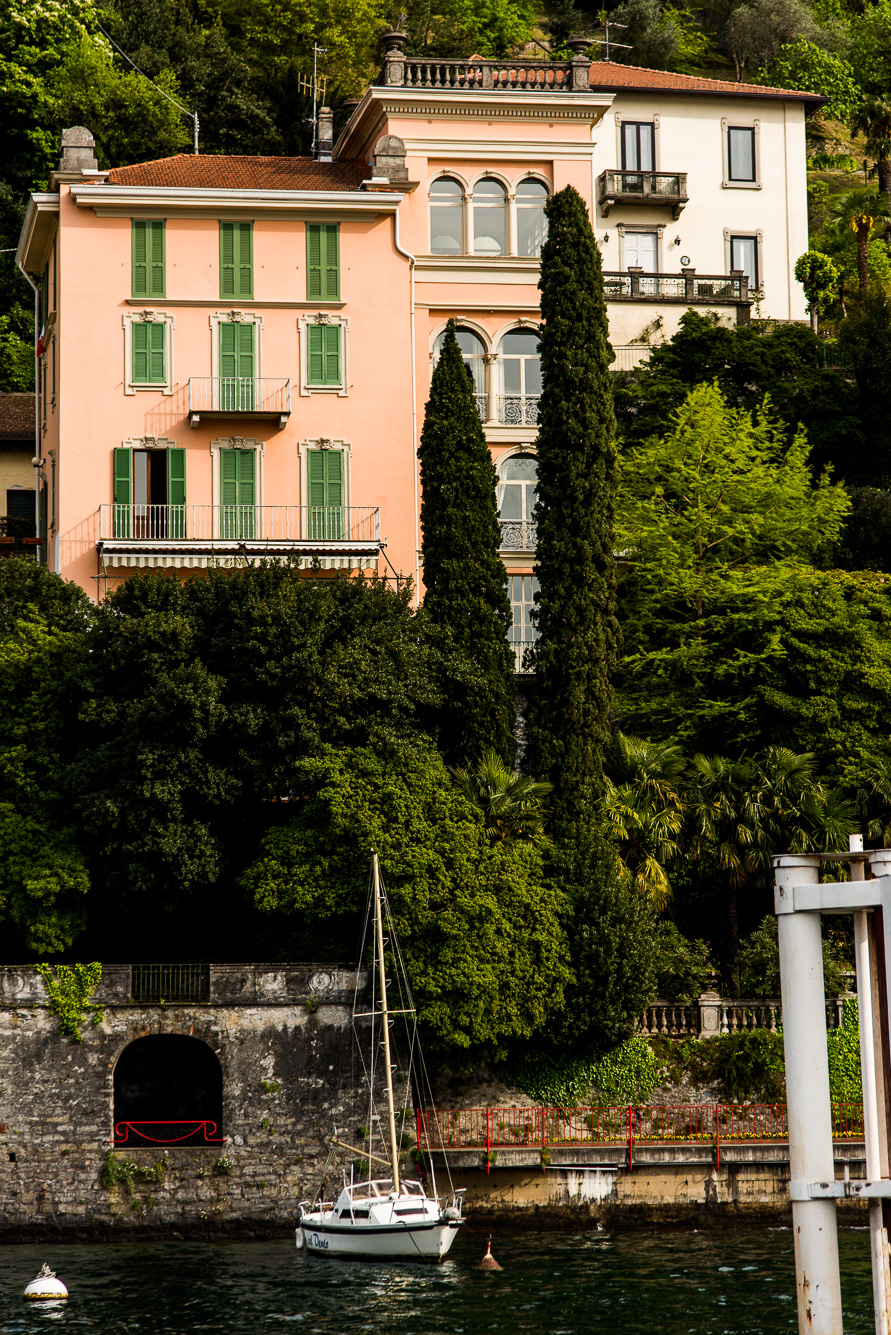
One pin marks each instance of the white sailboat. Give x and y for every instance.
(385, 1217)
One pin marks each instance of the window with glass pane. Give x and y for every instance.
(744, 255)
(532, 225)
(521, 590)
(641, 251)
(446, 217)
(517, 495)
(489, 218)
(473, 351)
(638, 146)
(520, 363)
(741, 153)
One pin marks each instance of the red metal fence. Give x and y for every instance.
(714, 1124)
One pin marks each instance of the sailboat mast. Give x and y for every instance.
(379, 934)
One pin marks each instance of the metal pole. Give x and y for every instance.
(817, 1280)
(877, 1234)
(385, 1021)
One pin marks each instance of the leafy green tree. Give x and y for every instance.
(714, 515)
(813, 69)
(465, 578)
(462, 28)
(868, 34)
(865, 344)
(873, 119)
(644, 809)
(575, 655)
(861, 210)
(759, 30)
(684, 967)
(481, 927)
(514, 807)
(866, 544)
(759, 962)
(747, 363)
(818, 275)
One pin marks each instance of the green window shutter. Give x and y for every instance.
(149, 354)
(228, 350)
(236, 259)
(176, 477)
(315, 468)
(245, 460)
(122, 474)
(334, 479)
(228, 477)
(323, 354)
(323, 261)
(227, 259)
(245, 344)
(324, 472)
(245, 258)
(148, 258)
(140, 353)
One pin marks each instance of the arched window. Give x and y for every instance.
(520, 365)
(168, 1090)
(532, 225)
(517, 495)
(474, 351)
(489, 218)
(447, 217)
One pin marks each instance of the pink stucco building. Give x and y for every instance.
(235, 352)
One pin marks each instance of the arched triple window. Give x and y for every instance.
(446, 217)
(489, 218)
(520, 366)
(474, 351)
(532, 225)
(517, 495)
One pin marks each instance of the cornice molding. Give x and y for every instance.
(38, 230)
(501, 149)
(109, 201)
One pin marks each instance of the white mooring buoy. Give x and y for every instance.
(488, 1262)
(46, 1286)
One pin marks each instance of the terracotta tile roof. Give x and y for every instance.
(609, 75)
(205, 171)
(17, 417)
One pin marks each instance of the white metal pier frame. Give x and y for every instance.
(800, 899)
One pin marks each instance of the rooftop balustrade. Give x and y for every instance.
(537, 76)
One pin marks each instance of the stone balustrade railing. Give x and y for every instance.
(711, 1014)
(479, 75)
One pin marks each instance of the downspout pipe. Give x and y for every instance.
(414, 402)
(37, 461)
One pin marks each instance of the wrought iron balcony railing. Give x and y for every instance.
(688, 287)
(640, 187)
(239, 396)
(628, 356)
(240, 523)
(518, 409)
(519, 646)
(518, 535)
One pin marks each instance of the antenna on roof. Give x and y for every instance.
(317, 87)
(193, 115)
(605, 40)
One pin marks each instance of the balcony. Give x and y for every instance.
(518, 535)
(239, 396)
(688, 288)
(17, 537)
(518, 409)
(519, 647)
(200, 535)
(650, 188)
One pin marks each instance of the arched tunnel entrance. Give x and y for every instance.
(168, 1090)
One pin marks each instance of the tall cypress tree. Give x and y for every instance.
(464, 575)
(576, 653)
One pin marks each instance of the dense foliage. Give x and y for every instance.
(575, 612)
(464, 576)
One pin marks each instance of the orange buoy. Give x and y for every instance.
(488, 1262)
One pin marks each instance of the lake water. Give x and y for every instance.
(733, 1283)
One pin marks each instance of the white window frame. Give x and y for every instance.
(509, 208)
(740, 124)
(148, 316)
(658, 228)
(510, 189)
(758, 238)
(466, 219)
(324, 317)
(236, 316)
(235, 443)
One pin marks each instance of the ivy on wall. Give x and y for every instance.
(69, 989)
(629, 1073)
(844, 1057)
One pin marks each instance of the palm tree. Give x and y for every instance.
(645, 812)
(873, 800)
(861, 210)
(514, 807)
(874, 120)
(728, 819)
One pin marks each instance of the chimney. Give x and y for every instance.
(325, 135)
(389, 158)
(78, 150)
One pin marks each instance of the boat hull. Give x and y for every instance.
(427, 1242)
